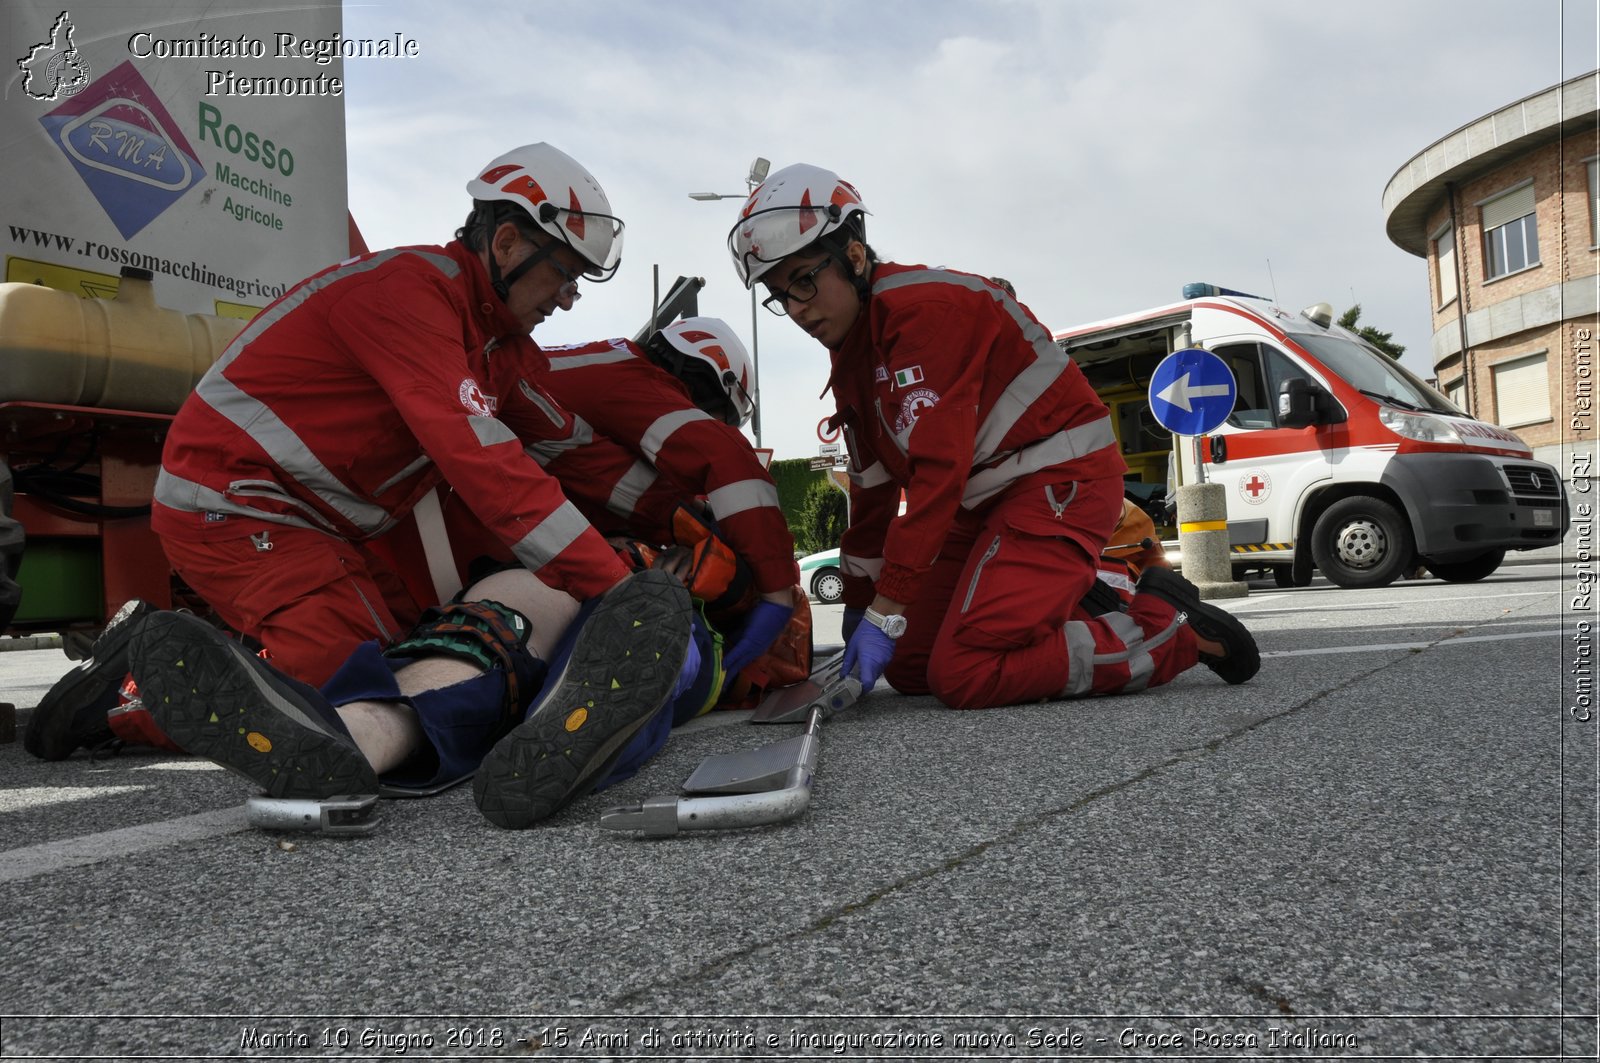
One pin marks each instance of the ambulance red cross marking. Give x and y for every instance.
(1255, 486)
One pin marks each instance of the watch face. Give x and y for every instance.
(894, 626)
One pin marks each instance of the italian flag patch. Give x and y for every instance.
(904, 378)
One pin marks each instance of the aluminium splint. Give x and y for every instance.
(756, 787)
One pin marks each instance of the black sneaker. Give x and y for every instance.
(1242, 659)
(72, 714)
(218, 700)
(617, 669)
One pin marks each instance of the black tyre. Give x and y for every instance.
(827, 586)
(1362, 542)
(11, 543)
(1470, 570)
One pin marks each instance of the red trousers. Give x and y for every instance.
(998, 622)
(309, 598)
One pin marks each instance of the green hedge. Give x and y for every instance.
(794, 478)
(822, 519)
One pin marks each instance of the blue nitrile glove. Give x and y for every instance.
(686, 674)
(761, 629)
(867, 654)
(852, 617)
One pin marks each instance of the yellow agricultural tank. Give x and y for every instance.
(125, 353)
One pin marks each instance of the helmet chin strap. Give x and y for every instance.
(501, 288)
(664, 354)
(731, 381)
(502, 284)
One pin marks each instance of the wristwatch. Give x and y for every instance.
(893, 626)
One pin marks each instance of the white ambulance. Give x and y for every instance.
(1335, 456)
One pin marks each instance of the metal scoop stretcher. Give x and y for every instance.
(348, 814)
(755, 787)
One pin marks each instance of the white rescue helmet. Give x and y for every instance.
(790, 210)
(707, 350)
(561, 197)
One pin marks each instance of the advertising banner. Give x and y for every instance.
(200, 141)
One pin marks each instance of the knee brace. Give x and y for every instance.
(487, 634)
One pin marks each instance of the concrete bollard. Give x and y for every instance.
(1203, 537)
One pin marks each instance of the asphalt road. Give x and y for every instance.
(1383, 845)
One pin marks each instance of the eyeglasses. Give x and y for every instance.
(569, 278)
(802, 289)
(569, 282)
(544, 250)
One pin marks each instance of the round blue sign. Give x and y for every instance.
(1192, 392)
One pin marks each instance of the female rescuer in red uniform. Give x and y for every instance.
(948, 388)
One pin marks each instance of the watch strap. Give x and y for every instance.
(893, 626)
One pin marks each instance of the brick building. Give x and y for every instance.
(1506, 212)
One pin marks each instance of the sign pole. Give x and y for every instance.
(1192, 392)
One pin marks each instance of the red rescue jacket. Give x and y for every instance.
(670, 450)
(347, 400)
(949, 388)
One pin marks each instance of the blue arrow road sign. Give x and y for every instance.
(1192, 392)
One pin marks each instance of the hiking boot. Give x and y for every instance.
(218, 700)
(1242, 659)
(618, 666)
(72, 714)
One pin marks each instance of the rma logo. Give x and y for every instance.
(55, 69)
(126, 147)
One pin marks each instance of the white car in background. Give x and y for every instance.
(820, 575)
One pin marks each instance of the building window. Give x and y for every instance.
(1522, 391)
(1594, 202)
(1456, 392)
(1444, 254)
(1510, 237)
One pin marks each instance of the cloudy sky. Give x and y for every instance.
(1098, 154)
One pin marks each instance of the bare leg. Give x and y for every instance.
(387, 734)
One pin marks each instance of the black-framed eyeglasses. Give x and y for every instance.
(802, 289)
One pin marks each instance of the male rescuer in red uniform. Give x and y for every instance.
(335, 411)
(948, 388)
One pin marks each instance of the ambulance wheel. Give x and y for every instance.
(828, 586)
(1471, 570)
(1362, 542)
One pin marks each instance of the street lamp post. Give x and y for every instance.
(758, 173)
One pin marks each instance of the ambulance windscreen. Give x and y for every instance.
(1374, 374)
